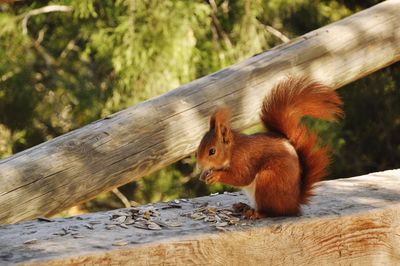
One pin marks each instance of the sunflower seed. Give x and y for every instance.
(210, 219)
(153, 226)
(31, 241)
(219, 224)
(160, 223)
(147, 209)
(119, 214)
(146, 215)
(140, 225)
(120, 219)
(233, 221)
(120, 243)
(88, 226)
(134, 210)
(201, 209)
(223, 216)
(123, 226)
(211, 210)
(197, 216)
(129, 221)
(174, 224)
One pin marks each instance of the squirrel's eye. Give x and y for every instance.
(211, 151)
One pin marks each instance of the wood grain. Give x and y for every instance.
(354, 221)
(103, 155)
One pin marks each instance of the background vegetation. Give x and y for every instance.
(85, 59)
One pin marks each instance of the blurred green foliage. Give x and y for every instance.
(65, 69)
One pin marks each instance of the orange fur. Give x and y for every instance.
(278, 168)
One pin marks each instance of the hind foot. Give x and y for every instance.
(252, 214)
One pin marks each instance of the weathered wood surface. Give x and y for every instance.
(353, 221)
(108, 153)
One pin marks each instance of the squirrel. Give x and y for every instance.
(276, 169)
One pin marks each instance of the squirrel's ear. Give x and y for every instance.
(212, 122)
(219, 122)
(226, 134)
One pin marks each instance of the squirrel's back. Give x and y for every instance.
(282, 112)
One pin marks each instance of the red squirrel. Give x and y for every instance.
(276, 169)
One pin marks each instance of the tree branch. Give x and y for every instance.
(42, 10)
(218, 25)
(121, 197)
(69, 47)
(277, 33)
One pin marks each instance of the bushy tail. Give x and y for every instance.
(282, 111)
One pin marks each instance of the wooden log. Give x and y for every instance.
(354, 221)
(79, 165)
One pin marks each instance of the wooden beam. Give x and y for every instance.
(79, 165)
(354, 221)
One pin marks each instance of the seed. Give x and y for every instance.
(210, 219)
(153, 226)
(174, 224)
(140, 225)
(223, 224)
(197, 216)
(88, 226)
(120, 243)
(120, 219)
(160, 223)
(123, 226)
(129, 221)
(31, 241)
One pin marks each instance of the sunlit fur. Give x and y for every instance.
(283, 178)
(219, 138)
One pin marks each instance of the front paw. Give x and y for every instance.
(204, 174)
(211, 178)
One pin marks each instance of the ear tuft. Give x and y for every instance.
(221, 116)
(220, 122)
